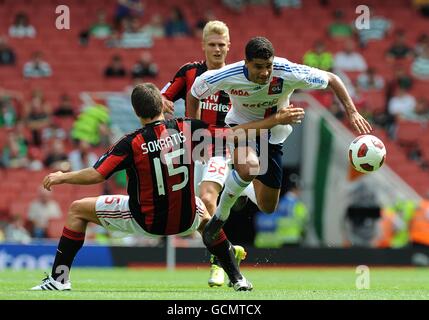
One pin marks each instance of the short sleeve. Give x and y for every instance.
(176, 88)
(309, 78)
(117, 158)
(204, 85)
(301, 76)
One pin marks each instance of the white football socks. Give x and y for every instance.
(250, 193)
(234, 186)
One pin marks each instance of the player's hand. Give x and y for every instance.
(290, 115)
(167, 106)
(359, 123)
(53, 179)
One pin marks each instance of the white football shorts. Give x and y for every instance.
(216, 170)
(114, 213)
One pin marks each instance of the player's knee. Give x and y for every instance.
(252, 165)
(249, 170)
(246, 163)
(77, 209)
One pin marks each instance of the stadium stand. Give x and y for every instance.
(78, 68)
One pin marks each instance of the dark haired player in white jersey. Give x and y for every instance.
(258, 87)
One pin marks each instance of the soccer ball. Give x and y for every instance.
(367, 153)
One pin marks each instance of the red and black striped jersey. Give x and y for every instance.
(213, 109)
(160, 169)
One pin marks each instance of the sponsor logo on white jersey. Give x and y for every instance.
(276, 86)
(239, 92)
(264, 104)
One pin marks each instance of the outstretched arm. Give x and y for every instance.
(83, 177)
(283, 116)
(357, 121)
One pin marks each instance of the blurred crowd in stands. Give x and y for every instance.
(37, 135)
(403, 224)
(409, 58)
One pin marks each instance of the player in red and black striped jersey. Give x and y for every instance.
(210, 175)
(159, 161)
(215, 107)
(160, 201)
(158, 188)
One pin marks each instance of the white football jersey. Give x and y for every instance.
(252, 101)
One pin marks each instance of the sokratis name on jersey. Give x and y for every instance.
(162, 143)
(264, 104)
(212, 103)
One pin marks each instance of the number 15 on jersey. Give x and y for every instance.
(172, 171)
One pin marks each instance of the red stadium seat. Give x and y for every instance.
(375, 101)
(55, 228)
(409, 132)
(3, 137)
(6, 199)
(423, 142)
(64, 123)
(420, 89)
(19, 208)
(77, 69)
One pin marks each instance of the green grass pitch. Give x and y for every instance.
(191, 284)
